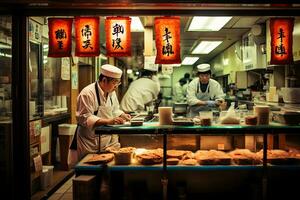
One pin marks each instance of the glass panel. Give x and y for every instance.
(56, 82)
(5, 101)
(35, 90)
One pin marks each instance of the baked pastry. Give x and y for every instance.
(150, 157)
(172, 161)
(188, 155)
(175, 154)
(276, 156)
(251, 120)
(189, 162)
(212, 157)
(243, 157)
(100, 158)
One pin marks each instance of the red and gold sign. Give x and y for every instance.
(87, 36)
(167, 38)
(60, 37)
(118, 36)
(281, 40)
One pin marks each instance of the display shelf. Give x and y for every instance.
(135, 166)
(154, 128)
(283, 167)
(262, 172)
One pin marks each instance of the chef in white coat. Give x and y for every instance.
(141, 92)
(179, 91)
(97, 104)
(204, 93)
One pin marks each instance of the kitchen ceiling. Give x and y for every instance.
(230, 33)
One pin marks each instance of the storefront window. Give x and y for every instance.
(5, 100)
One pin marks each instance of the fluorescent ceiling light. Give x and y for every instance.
(207, 23)
(205, 47)
(189, 60)
(136, 25)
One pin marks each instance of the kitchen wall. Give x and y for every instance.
(228, 63)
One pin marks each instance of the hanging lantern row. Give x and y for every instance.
(118, 37)
(167, 37)
(281, 30)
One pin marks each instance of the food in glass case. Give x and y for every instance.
(280, 157)
(191, 162)
(123, 156)
(175, 154)
(100, 158)
(172, 161)
(150, 157)
(244, 157)
(212, 157)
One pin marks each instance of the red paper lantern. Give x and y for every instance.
(118, 36)
(60, 37)
(281, 40)
(167, 38)
(87, 36)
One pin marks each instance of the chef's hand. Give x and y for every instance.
(117, 120)
(219, 101)
(126, 117)
(210, 103)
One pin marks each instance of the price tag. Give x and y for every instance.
(221, 146)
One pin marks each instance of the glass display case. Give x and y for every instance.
(245, 161)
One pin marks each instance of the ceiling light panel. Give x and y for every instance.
(207, 23)
(205, 47)
(189, 60)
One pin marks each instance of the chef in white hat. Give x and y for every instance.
(204, 93)
(141, 92)
(97, 104)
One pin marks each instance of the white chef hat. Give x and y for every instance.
(111, 71)
(203, 67)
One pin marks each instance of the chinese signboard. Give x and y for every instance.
(281, 40)
(167, 38)
(87, 36)
(60, 37)
(118, 36)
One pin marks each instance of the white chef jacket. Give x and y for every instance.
(87, 104)
(139, 93)
(194, 94)
(179, 93)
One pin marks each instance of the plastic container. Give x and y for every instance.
(46, 176)
(50, 173)
(66, 133)
(44, 179)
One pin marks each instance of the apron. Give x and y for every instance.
(88, 141)
(203, 96)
